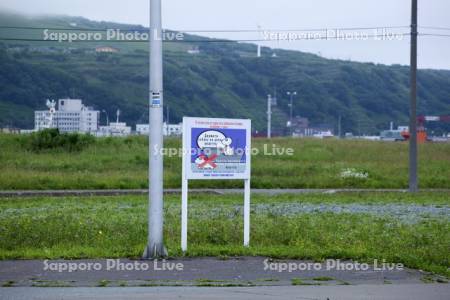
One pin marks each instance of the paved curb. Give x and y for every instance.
(360, 292)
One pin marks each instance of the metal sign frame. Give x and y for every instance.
(216, 149)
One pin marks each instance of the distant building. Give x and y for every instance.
(168, 129)
(394, 134)
(323, 134)
(9, 130)
(26, 131)
(106, 49)
(142, 129)
(172, 129)
(114, 129)
(302, 128)
(299, 126)
(194, 51)
(71, 116)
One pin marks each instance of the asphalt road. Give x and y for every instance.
(240, 271)
(360, 292)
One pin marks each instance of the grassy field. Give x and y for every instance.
(116, 227)
(122, 163)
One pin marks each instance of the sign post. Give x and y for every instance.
(215, 149)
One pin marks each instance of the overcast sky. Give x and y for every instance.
(434, 52)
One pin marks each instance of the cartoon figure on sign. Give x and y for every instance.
(205, 162)
(217, 152)
(225, 147)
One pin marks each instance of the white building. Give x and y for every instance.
(114, 129)
(71, 116)
(323, 134)
(394, 134)
(142, 129)
(194, 51)
(168, 129)
(172, 129)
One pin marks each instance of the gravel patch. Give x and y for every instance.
(409, 213)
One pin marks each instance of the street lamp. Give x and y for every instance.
(155, 247)
(291, 105)
(107, 117)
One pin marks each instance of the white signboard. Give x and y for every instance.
(216, 149)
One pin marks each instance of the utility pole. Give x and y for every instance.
(413, 186)
(258, 51)
(339, 126)
(107, 117)
(359, 127)
(155, 247)
(269, 116)
(291, 106)
(167, 115)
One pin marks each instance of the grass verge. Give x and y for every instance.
(100, 227)
(122, 163)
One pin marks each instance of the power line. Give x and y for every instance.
(435, 28)
(69, 29)
(292, 30)
(339, 38)
(435, 34)
(221, 30)
(204, 30)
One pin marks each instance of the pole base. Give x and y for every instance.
(154, 251)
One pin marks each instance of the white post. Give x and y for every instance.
(247, 192)
(184, 213)
(246, 212)
(155, 247)
(269, 116)
(184, 188)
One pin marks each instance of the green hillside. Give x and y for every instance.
(224, 80)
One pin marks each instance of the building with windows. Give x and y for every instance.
(301, 127)
(172, 129)
(114, 129)
(168, 129)
(142, 129)
(394, 134)
(70, 116)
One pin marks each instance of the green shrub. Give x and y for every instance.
(49, 139)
